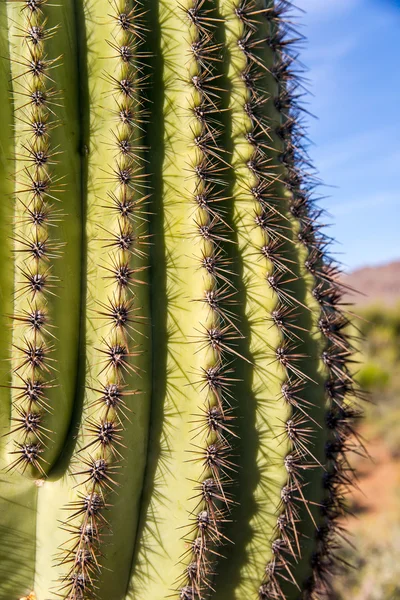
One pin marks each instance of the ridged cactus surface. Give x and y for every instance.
(176, 398)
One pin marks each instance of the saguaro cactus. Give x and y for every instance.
(174, 364)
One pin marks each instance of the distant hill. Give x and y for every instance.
(374, 284)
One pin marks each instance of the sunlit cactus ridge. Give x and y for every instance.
(177, 402)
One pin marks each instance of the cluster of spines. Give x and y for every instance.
(214, 424)
(332, 322)
(299, 428)
(36, 192)
(103, 430)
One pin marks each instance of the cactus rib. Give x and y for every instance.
(219, 331)
(117, 333)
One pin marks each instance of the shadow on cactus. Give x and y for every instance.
(175, 394)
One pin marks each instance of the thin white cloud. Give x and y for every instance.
(326, 8)
(331, 52)
(356, 204)
(346, 150)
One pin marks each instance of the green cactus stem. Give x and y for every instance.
(176, 398)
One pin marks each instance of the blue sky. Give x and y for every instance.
(353, 56)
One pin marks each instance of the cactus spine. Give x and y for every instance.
(176, 411)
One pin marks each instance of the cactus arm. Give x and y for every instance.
(6, 208)
(47, 219)
(17, 498)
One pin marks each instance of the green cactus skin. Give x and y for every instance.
(47, 222)
(17, 498)
(175, 383)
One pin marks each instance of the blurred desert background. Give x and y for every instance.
(373, 547)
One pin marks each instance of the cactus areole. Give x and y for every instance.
(174, 366)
